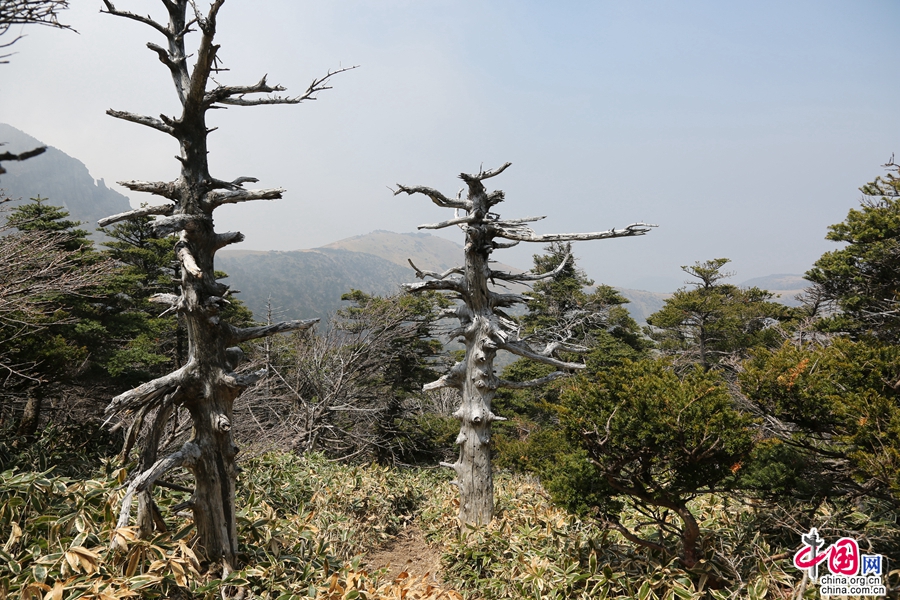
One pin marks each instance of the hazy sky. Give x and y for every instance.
(742, 129)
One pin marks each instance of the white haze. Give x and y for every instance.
(743, 130)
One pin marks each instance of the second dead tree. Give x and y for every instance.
(485, 328)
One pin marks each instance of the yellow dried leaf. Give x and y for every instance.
(57, 592)
(157, 565)
(178, 571)
(72, 559)
(134, 559)
(14, 536)
(34, 590)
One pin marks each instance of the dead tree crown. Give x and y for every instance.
(484, 326)
(207, 384)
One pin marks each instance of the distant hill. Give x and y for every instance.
(642, 304)
(427, 251)
(307, 284)
(784, 286)
(59, 177)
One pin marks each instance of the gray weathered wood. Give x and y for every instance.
(207, 385)
(485, 329)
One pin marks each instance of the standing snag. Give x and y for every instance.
(28, 12)
(485, 328)
(207, 384)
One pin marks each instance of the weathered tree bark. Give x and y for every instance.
(206, 384)
(485, 328)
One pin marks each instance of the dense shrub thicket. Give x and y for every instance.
(306, 523)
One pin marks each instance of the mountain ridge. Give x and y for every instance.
(62, 179)
(304, 283)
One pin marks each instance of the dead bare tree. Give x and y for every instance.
(208, 383)
(29, 12)
(485, 328)
(340, 390)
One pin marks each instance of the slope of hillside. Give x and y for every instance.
(642, 304)
(427, 251)
(307, 284)
(784, 286)
(59, 177)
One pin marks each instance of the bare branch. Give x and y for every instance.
(29, 12)
(229, 237)
(245, 380)
(453, 379)
(520, 385)
(234, 95)
(511, 222)
(530, 236)
(166, 189)
(532, 277)
(111, 9)
(522, 350)
(252, 333)
(442, 224)
(137, 213)
(175, 64)
(482, 175)
(188, 262)
(423, 274)
(456, 285)
(320, 84)
(218, 198)
(7, 156)
(186, 456)
(150, 391)
(168, 225)
(507, 300)
(152, 122)
(170, 299)
(235, 184)
(436, 197)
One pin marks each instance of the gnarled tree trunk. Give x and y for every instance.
(207, 384)
(485, 328)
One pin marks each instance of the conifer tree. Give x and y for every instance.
(607, 335)
(716, 320)
(860, 280)
(54, 327)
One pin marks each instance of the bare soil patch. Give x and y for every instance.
(406, 553)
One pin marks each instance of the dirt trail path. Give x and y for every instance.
(408, 552)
